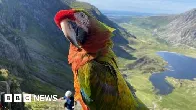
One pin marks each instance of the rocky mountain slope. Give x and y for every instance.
(182, 30)
(34, 50)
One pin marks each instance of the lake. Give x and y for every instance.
(179, 67)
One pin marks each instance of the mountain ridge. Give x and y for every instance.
(181, 30)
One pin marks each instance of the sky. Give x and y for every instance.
(146, 6)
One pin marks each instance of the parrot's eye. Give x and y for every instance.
(82, 15)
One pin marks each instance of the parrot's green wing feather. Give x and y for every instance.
(98, 83)
(103, 88)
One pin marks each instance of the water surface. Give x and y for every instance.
(179, 67)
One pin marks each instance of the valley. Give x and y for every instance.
(149, 63)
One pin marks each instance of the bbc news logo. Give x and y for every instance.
(29, 98)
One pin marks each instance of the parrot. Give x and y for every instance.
(98, 82)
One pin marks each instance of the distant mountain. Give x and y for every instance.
(113, 13)
(35, 51)
(182, 30)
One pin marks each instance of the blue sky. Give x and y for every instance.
(147, 6)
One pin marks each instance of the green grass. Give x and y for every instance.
(57, 105)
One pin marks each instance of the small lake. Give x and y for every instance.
(179, 67)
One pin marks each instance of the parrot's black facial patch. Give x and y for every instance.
(81, 34)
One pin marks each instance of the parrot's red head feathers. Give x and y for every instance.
(64, 14)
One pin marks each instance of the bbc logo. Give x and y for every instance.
(18, 98)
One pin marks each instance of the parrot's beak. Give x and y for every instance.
(74, 41)
(69, 30)
(73, 37)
